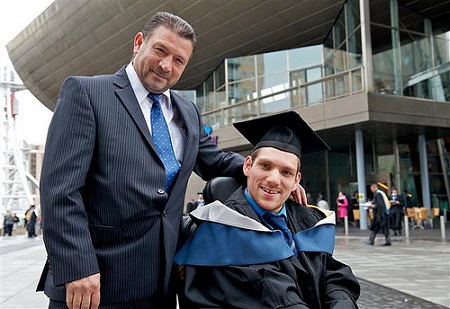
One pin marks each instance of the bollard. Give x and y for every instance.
(442, 227)
(363, 209)
(346, 225)
(406, 227)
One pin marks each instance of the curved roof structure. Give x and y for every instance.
(96, 37)
(83, 37)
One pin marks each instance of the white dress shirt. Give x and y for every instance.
(177, 134)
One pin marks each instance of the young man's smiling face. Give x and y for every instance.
(271, 177)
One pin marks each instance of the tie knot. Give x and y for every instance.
(156, 98)
(279, 222)
(276, 221)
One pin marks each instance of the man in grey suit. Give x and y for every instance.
(111, 220)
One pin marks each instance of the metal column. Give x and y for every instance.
(398, 182)
(14, 189)
(361, 176)
(426, 199)
(366, 45)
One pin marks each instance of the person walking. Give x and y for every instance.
(380, 222)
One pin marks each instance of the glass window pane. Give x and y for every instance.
(200, 99)
(339, 31)
(241, 68)
(273, 83)
(441, 49)
(221, 97)
(219, 74)
(353, 16)
(416, 58)
(383, 63)
(305, 57)
(241, 112)
(242, 91)
(354, 50)
(209, 94)
(272, 63)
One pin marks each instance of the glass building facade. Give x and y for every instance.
(394, 53)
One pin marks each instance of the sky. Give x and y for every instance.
(33, 119)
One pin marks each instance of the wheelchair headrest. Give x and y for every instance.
(219, 188)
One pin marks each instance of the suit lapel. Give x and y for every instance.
(186, 116)
(128, 98)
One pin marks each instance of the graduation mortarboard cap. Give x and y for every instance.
(286, 131)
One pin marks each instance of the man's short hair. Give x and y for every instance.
(171, 22)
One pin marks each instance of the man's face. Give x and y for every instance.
(271, 177)
(161, 60)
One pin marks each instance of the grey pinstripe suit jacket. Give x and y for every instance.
(103, 202)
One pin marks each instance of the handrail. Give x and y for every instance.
(322, 82)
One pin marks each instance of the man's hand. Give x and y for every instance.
(299, 196)
(83, 293)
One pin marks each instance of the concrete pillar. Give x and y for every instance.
(361, 177)
(423, 158)
(367, 45)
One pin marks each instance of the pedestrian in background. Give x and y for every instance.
(200, 201)
(31, 217)
(396, 211)
(342, 206)
(353, 204)
(322, 202)
(16, 222)
(190, 206)
(319, 197)
(407, 200)
(8, 223)
(380, 222)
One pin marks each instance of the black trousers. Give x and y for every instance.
(396, 218)
(382, 227)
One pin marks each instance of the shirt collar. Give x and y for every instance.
(259, 211)
(139, 89)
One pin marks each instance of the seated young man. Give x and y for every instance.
(260, 249)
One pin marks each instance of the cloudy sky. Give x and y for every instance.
(33, 119)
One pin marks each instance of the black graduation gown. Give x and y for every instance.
(380, 217)
(256, 269)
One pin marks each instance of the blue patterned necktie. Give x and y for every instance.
(278, 222)
(163, 143)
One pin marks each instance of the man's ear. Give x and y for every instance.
(138, 40)
(297, 180)
(247, 165)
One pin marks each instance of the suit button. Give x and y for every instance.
(164, 213)
(161, 191)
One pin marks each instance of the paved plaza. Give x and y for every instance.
(412, 273)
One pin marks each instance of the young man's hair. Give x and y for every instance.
(171, 22)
